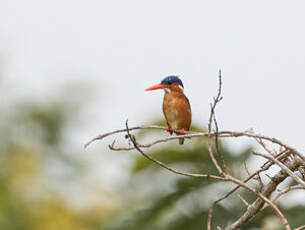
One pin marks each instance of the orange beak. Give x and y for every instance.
(154, 87)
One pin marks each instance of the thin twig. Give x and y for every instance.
(300, 228)
(243, 200)
(223, 163)
(133, 140)
(265, 147)
(217, 99)
(102, 136)
(266, 191)
(286, 190)
(220, 134)
(282, 166)
(264, 167)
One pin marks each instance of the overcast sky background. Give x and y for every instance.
(122, 47)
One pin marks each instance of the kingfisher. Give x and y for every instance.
(176, 106)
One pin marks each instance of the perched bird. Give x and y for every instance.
(176, 106)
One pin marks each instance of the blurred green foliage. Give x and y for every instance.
(38, 177)
(37, 172)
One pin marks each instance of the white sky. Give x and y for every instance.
(122, 47)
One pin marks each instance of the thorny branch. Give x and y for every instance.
(288, 159)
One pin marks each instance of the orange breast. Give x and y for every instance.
(177, 110)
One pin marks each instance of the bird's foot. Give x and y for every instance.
(181, 131)
(169, 129)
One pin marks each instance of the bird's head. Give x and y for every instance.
(170, 83)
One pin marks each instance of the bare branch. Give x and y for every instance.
(259, 140)
(288, 159)
(189, 134)
(283, 167)
(266, 191)
(300, 228)
(221, 134)
(217, 99)
(286, 190)
(133, 140)
(223, 163)
(212, 116)
(102, 136)
(255, 207)
(243, 200)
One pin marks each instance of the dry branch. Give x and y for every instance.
(257, 205)
(288, 159)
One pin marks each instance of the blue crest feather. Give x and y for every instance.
(172, 79)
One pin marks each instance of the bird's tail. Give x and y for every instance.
(181, 141)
